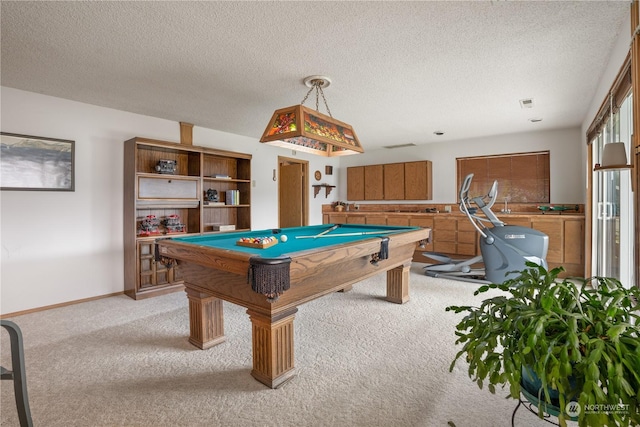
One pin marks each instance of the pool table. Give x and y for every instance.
(271, 282)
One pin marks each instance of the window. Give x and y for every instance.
(522, 177)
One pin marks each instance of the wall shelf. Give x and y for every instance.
(612, 167)
(327, 189)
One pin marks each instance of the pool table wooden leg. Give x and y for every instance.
(398, 283)
(206, 319)
(272, 340)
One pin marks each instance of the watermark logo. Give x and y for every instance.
(573, 409)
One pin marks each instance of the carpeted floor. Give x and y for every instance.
(361, 361)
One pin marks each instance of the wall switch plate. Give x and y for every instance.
(447, 208)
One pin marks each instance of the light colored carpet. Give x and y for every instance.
(361, 361)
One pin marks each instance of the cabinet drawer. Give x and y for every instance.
(167, 188)
(444, 235)
(421, 222)
(465, 225)
(397, 220)
(467, 237)
(353, 219)
(466, 249)
(444, 247)
(444, 224)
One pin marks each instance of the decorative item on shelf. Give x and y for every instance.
(212, 195)
(223, 227)
(232, 197)
(304, 129)
(167, 166)
(338, 206)
(614, 154)
(173, 225)
(149, 226)
(558, 208)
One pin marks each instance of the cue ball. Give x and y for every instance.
(283, 238)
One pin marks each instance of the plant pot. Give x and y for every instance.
(339, 208)
(531, 388)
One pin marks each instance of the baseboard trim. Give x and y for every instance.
(62, 304)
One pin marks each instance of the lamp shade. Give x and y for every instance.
(614, 154)
(304, 129)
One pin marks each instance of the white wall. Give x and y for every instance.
(566, 171)
(65, 246)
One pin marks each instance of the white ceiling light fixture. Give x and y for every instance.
(301, 128)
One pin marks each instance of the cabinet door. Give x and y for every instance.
(417, 181)
(152, 273)
(393, 176)
(468, 243)
(355, 183)
(554, 230)
(373, 182)
(574, 242)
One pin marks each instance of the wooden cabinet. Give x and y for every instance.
(452, 235)
(160, 205)
(373, 182)
(566, 242)
(393, 177)
(390, 181)
(417, 181)
(355, 183)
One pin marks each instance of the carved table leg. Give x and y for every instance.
(272, 340)
(398, 284)
(206, 319)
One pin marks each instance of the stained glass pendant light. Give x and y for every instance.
(304, 129)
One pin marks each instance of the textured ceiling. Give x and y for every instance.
(400, 70)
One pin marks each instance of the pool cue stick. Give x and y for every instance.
(327, 231)
(360, 233)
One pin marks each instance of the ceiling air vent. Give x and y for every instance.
(399, 145)
(526, 103)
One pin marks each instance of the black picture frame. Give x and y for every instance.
(35, 163)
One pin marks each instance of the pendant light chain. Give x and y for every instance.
(317, 85)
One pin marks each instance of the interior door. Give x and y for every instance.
(291, 194)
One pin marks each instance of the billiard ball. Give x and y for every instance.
(283, 238)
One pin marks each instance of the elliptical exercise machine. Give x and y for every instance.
(504, 248)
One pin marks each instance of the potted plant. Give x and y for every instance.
(338, 205)
(574, 344)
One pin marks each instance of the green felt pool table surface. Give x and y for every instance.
(297, 240)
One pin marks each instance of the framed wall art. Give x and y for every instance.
(35, 163)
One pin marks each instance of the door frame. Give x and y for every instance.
(305, 186)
